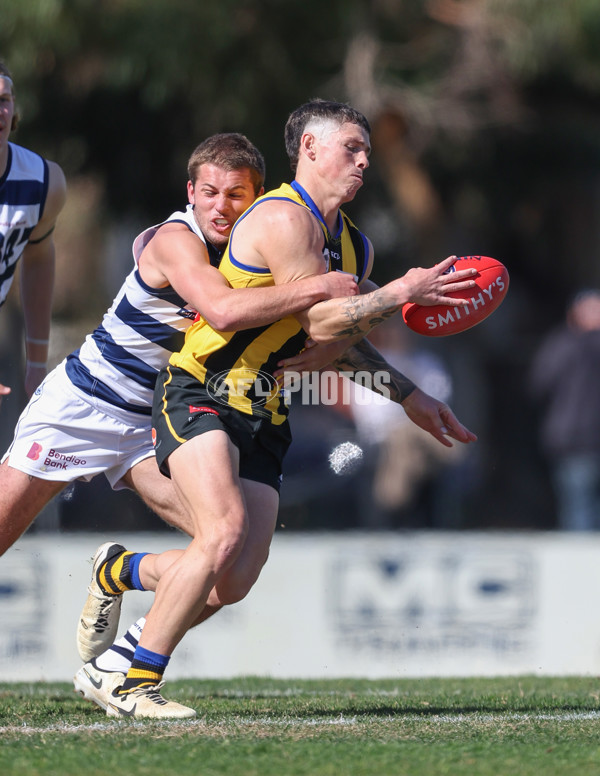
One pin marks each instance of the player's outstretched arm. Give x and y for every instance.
(234, 309)
(425, 411)
(177, 257)
(356, 316)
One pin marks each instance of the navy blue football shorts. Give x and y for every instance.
(183, 409)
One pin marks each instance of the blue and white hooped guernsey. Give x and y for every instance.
(119, 361)
(23, 191)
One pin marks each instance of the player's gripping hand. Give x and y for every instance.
(431, 286)
(312, 358)
(436, 417)
(338, 284)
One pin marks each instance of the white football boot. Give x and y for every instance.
(146, 702)
(99, 619)
(96, 685)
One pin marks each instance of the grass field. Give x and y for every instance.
(267, 727)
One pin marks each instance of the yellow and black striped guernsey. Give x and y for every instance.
(238, 366)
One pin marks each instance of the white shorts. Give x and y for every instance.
(64, 435)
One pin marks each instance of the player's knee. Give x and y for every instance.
(227, 539)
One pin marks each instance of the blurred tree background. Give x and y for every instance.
(485, 141)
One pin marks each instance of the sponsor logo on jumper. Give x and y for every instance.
(191, 314)
(330, 257)
(57, 460)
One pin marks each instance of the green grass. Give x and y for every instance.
(266, 727)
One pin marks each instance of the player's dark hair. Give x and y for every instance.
(231, 151)
(16, 116)
(339, 112)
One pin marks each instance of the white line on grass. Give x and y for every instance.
(461, 718)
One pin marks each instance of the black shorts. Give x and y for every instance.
(183, 410)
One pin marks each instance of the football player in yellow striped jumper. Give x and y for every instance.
(219, 417)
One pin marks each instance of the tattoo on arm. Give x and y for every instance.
(363, 357)
(366, 311)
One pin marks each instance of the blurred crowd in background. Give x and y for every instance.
(546, 477)
(485, 141)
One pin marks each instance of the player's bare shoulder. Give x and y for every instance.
(57, 192)
(277, 215)
(57, 183)
(281, 224)
(281, 236)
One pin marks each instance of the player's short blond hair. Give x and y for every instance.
(230, 151)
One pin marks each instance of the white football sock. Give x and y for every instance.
(119, 656)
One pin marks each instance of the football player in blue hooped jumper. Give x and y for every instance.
(224, 454)
(92, 414)
(32, 194)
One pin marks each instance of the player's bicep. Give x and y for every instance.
(200, 284)
(177, 257)
(290, 243)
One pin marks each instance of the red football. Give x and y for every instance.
(442, 320)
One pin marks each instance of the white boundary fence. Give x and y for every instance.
(331, 605)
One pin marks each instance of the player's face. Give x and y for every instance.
(219, 198)
(343, 156)
(7, 109)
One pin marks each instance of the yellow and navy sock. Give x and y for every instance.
(120, 572)
(147, 669)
